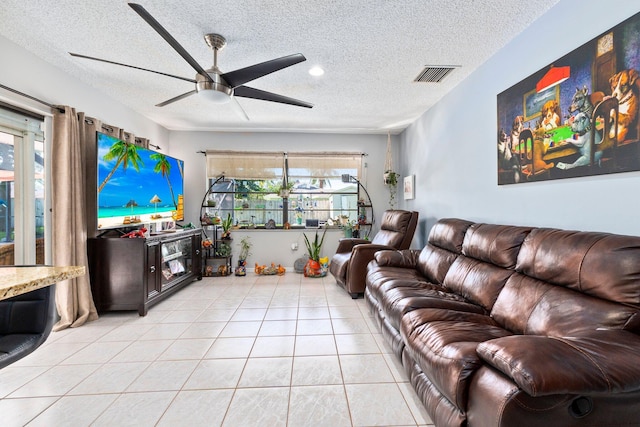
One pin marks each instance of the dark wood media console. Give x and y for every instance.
(134, 274)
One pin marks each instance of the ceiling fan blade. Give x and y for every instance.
(77, 55)
(235, 105)
(177, 98)
(243, 75)
(249, 92)
(169, 39)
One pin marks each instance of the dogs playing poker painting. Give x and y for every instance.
(578, 116)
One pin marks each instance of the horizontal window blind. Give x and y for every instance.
(245, 165)
(324, 165)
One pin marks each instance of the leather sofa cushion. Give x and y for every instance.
(598, 264)
(393, 228)
(530, 306)
(476, 281)
(380, 290)
(448, 233)
(445, 349)
(434, 262)
(380, 279)
(603, 361)
(495, 244)
(398, 301)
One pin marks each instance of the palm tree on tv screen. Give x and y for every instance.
(164, 167)
(126, 155)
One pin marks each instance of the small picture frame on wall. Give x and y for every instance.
(409, 190)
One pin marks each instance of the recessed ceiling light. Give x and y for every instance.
(316, 71)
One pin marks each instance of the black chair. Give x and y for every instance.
(25, 323)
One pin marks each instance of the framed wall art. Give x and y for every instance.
(578, 116)
(409, 187)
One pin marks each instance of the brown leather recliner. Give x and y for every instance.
(349, 264)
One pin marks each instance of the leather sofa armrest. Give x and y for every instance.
(361, 255)
(348, 243)
(407, 258)
(603, 361)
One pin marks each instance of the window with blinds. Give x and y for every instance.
(251, 189)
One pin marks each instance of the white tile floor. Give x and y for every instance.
(235, 351)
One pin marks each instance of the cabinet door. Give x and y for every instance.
(176, 261)
(152, 283)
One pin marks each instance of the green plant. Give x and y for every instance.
(391, 178)
(227, 223)
(391, 181)
(285, 189)
(313, 249)
(245, 248)
(224, 249)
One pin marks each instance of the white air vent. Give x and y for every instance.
(433, 74)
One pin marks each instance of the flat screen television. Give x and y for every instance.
(136, 185)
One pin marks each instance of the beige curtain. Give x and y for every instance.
(70, 134)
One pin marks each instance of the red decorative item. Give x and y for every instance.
(139, 233)
(314, 269)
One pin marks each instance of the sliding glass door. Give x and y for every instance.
(22, 189)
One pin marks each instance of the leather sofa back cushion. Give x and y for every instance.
(496, 244)
(530, 306)
(443, 247)
(599, 264)
(393, 228)
(477, 281)
(434, 263)
(448, 234)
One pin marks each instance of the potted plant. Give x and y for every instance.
(223, 250)
(226, 227)
(285, 189)
(314, 268)
(245, 248)
(391, 181)
(348, 229)
(390, 178)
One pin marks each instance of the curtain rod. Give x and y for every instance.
(32, 98)
(295, 153)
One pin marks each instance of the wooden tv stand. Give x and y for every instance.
(134, 274)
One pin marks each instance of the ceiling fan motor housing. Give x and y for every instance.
(218, 82)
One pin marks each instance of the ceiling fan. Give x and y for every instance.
(212, 84)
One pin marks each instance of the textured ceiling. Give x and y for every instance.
(371, 51)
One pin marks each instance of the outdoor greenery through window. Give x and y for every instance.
(283, 187)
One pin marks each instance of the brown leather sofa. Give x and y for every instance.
(349, 264)
(500, 325)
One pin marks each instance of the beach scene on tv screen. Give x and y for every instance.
(137, 185)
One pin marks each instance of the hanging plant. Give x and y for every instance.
(390, 176)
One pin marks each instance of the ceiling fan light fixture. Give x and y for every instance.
(214, 96)
(316, 71)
